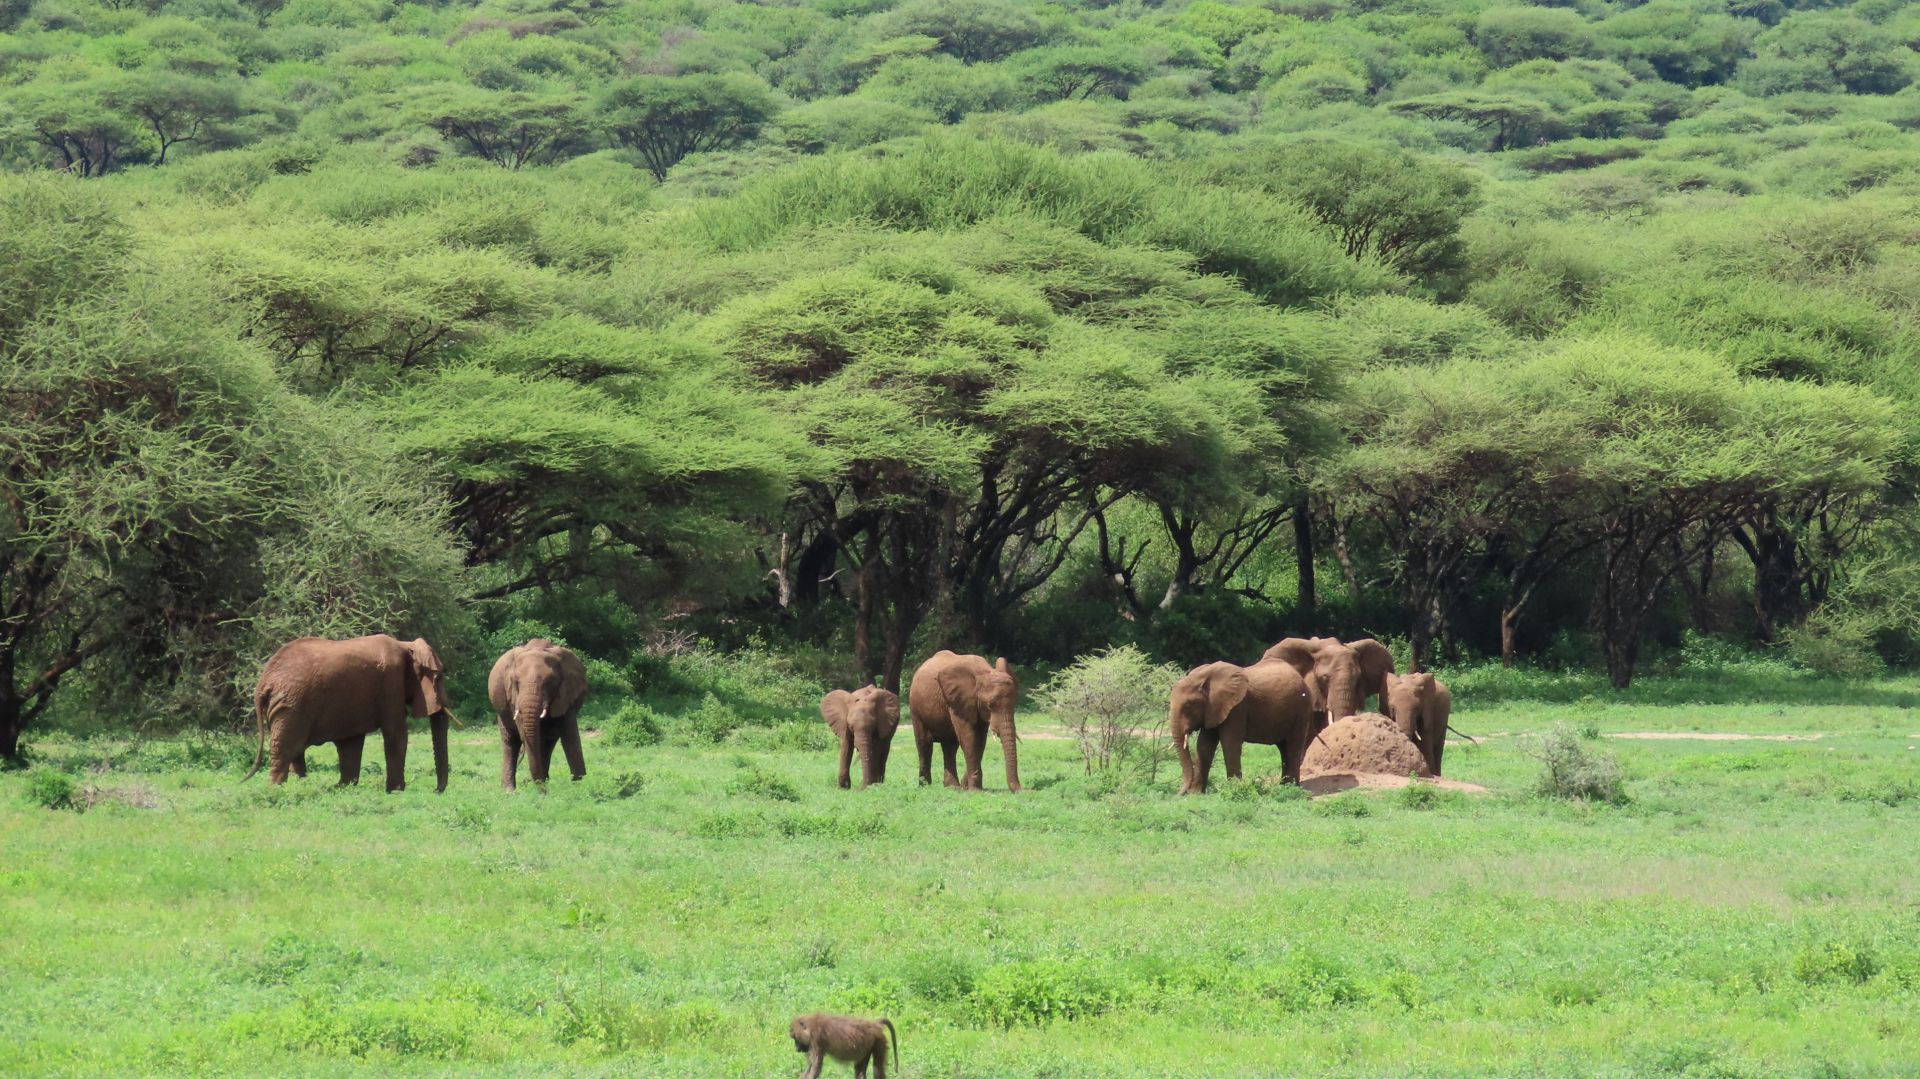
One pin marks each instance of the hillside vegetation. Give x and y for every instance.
(1573, 335)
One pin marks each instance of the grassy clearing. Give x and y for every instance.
(1753, 911)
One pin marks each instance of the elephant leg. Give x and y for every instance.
(395, 737)
(570, 742)
(350, 749)
(1436, 742)
(923, 746)
(972, 746)
(300, 764)
(846, 760)
(509, 755)
(549, 737)
(881, 747)
(1230, 743)
(948, 749)
(1203, 767)
(1293, 751)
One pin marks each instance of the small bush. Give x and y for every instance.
(759, 783)
(51, 789)
(826, 826)
(1572, 771)
(614, 786)
(801, 737)
(1037, 992)
(940, 977)
(1833, 963)
(1114, 704)
(710, 722)
(632, 724)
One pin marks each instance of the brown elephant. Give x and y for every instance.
(1340, 677)
(315, 690)
(1228, 705)
(1421, 704)
(863, 720)
(536, 691)
(954, 700)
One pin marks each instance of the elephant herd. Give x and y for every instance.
(314, 690)
(1297, 689)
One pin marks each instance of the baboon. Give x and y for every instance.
(846, 1039)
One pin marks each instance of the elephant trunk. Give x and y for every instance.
(862, 742)
(528, 714)
(440, 720)
(1009, 749)
(1343, 700)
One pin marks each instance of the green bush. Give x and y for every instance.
(757, 783)
(614, 786)
(632, 724)
(1834, 963)
(1573, 772)
(52, 789)
(1041, 991)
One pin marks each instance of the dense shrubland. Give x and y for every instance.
(1545, 333)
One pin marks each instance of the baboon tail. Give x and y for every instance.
(260, 730)
(1463, 734)
(895, 1035)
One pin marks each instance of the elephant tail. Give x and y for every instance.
(260, 730)
(897, 1066)
(1463, 734)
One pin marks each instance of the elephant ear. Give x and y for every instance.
(1295, 652)
(833, 709)
(424, 671)
(958, 687)
(1376, 663)
(1227, 686)
(887, 706)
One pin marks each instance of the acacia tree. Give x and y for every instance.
(664, 118)
(511, 128)
(162, 498)
(1674, 446)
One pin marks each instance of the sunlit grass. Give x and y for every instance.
(1750, 912)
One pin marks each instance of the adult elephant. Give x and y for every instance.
(1340, 677)
(954, 700)
(1421, 704)
(1227, 706)
(536, 691)
(315, 690)
(863, 720)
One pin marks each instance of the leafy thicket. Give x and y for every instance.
(1546, 332)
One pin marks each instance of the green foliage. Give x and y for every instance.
(632, 724)
(1572, 771)
(49, 788)
(1113, 704)
(755, 783)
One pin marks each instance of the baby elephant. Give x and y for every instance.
(536, 691)
(864, 720)
(846, 1039)
(1421, 704)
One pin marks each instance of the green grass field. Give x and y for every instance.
(1754, 911)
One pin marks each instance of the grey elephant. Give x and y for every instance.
(1227, 706)
(536, 691)
(954, 700)
(1340, 677)
(1421, 705)
(864, 721)
(315, 690)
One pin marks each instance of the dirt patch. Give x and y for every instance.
(1335, 782)
(1368, 743)
(1714, 736)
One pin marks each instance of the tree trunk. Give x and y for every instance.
(1303, 557)
(1509, 625)
(13, 718)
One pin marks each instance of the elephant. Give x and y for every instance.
(1229, 705)
(315, 690)
(536, 691)
(1339, 676)
(953, 700)
(864, 720)
(1421, 704)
